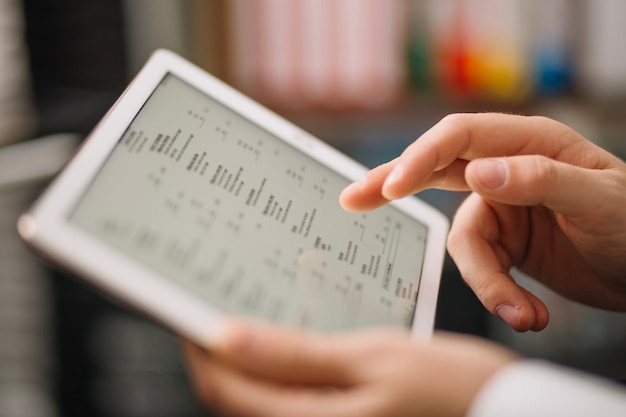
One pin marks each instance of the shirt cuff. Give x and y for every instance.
(538, 388)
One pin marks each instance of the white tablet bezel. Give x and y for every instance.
(46, 227)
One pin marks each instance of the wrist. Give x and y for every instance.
(467, 365)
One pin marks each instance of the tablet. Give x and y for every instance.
(194, 204)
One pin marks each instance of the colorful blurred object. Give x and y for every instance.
(370, 53)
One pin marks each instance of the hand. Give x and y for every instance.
(545, 200)
(264, 371)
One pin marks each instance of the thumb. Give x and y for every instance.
(531, 180)
(283, 354)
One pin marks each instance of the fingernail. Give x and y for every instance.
(491, 173)
(390, 182)
(354, 186)
(509, 314)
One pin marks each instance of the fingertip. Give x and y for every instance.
(348, 198)
(539, 325)
(542, 315)
(534, 313)
(359, 197)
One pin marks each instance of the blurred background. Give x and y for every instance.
(367, 76)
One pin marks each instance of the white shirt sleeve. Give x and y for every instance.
(539, 388)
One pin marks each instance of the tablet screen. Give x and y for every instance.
(248, 222)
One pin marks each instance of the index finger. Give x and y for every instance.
(470, 136)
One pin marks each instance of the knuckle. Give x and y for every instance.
(455, 122)
(540, 178)
(544, 169)
(455, 119)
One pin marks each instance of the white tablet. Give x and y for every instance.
(192, 203)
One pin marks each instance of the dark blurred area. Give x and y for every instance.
(65, 350)
(77, 59)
